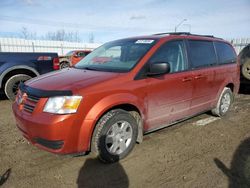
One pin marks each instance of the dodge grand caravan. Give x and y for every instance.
(124, 89)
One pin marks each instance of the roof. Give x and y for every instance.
(185, 34)
(173, 34)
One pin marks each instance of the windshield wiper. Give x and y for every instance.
(89, 68)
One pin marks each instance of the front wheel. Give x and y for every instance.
(114, 136)
(224, 103)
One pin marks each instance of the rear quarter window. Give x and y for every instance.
(201, 53)
(225, 53)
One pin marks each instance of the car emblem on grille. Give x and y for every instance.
(21, 98)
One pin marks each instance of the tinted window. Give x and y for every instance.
(201, 53)
(173, 53)
(225, 53)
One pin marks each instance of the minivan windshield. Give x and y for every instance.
(116, 56)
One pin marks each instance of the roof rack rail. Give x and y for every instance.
(184, 33)
(173, 33)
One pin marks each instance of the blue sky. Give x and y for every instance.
(114, 19)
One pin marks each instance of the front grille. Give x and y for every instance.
(33, 98)
(28, 108)
(30, 103)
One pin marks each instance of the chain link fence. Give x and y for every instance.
(239, 43)
(61, 47)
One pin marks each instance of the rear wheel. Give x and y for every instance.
(224, 103)
(11, 85)
(114, 136)
(64, 64)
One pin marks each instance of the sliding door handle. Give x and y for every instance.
(199, 76)
(187, 79)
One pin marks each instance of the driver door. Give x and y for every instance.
(169, 95)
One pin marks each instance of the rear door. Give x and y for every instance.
(227, 71)
(169, 95)
(203, 62)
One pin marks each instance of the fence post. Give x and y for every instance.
(33, 46)
(62, 48)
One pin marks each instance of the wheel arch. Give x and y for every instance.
(230, 86)
(96, 113)
(65, 60)
(134, 111)
(17, 70)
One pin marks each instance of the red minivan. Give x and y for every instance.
(124, 89)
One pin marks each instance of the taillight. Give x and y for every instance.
(56, 63)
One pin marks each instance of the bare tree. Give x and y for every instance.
(59, 35)
(62, 35)
(26, 34)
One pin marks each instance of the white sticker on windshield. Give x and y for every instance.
(144, 41)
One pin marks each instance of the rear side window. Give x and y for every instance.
(201, 53)
(225, 53)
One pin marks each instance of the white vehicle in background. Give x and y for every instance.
(244, 57)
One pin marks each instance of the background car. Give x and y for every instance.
(72, 57)
(244, 57)
(16, 67)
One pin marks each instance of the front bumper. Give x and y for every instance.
(61, 134)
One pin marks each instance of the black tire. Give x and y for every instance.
(64, 65)
(245, 69)
(11, 85)
(224, 103)
(99, 145)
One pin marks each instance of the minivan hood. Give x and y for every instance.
(70, 79)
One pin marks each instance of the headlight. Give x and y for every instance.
(62, 105)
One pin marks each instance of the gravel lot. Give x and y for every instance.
(200, 152)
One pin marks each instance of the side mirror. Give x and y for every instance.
(158, 68)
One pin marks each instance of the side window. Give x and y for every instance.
(201, 53)
(172, 52)
(225, 53)
(81, 54)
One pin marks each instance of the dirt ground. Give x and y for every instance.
(189, 154)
